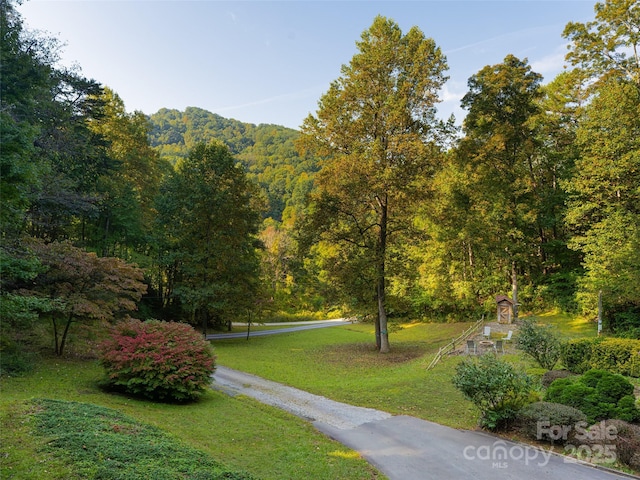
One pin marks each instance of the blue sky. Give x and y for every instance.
(270, 62)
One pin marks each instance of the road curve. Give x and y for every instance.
(297, 326)
(408, 448)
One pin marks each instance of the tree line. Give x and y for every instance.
(375, 207)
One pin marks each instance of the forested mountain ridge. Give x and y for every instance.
(266, 151)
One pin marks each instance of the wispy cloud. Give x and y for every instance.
(552, 63)
(273, 99)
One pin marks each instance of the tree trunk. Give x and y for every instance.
(384, 333)
(63, 340)
(514, 291)
(55, 335)
(377, 326)
(381, 293)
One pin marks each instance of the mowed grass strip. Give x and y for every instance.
(238, 432)
(342, 363)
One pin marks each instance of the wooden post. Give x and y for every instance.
(599, 312)
(514, 291)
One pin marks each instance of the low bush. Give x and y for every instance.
(549, 377)
(540, 342)
(551, 422)
(495, 387)
(14, 362)
(166, 361)
(102, 443)
(597, 393)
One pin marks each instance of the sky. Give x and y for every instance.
(271, 61)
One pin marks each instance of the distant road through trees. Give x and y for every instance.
(295, 327)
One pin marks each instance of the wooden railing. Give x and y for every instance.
(449, 347)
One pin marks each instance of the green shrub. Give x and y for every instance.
(617, 355)
(549, 377)
(597, 393)
(540, 342)
(14, 360)
(545, 421)
(158, 360)
(626, 409)
(102, 443)
(495, 387)
(576, 354)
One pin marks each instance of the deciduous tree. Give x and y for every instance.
(82, 287)
(376, 130)
(209, 218)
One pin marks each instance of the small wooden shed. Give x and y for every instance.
(505, 309)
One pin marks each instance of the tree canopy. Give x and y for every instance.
(375, 208)
(375, 126)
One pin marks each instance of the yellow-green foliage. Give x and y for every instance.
(617, 355)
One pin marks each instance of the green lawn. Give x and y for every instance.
(341, 363)
(569, 326)
(338, 362)
(238, 432)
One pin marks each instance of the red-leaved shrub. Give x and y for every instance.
(159, 360)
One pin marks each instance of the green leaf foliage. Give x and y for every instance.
(495, 387)
(540, 342)
(615, 355)
(207, 225)
(597, 393)
(530, 418)
(267, 152)
(376, 127)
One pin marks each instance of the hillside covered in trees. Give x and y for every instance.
(375, 208)
(267, 152)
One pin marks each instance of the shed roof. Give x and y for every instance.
(503, 298)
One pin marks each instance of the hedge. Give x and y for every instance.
(616, 355)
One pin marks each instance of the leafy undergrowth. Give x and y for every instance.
(99, 442)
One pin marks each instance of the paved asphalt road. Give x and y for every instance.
(297, 326)
(407, 448)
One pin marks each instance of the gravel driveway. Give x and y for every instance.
(313, 408)
(407, 448)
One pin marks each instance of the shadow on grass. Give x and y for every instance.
(367, 355)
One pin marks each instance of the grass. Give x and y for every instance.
(239, 432)
(342, 363)
(569, 326)
(103, 443)
(338, 362)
